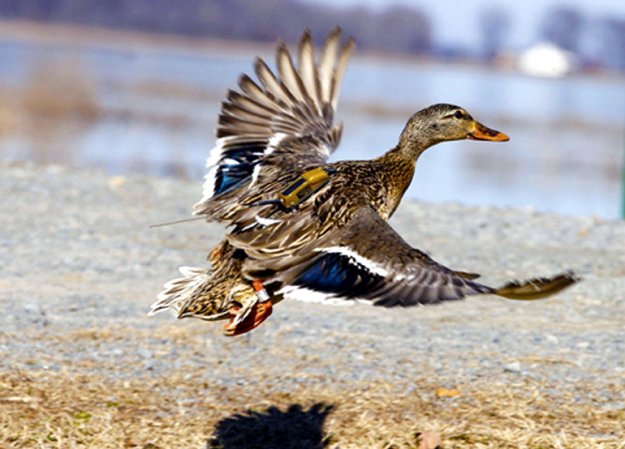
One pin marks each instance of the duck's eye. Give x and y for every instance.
(458, 114)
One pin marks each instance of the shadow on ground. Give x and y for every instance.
(273, 428)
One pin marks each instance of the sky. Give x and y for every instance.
(456, 22)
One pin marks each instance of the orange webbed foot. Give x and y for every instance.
(259, 313)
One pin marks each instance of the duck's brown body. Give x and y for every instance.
(378, 184)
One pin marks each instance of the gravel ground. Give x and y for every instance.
(80, 268)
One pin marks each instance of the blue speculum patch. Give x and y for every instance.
(230, 177)
(244, 158)
(334, 273)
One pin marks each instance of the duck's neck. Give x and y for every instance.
(396, 172)
(410, 147)
(399, 166)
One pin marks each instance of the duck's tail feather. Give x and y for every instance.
(185, 294)
(537, 288)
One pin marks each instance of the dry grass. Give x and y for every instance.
(60, 410)
(187, 409)
(59, 89)
(54, 91)
(9, 121)
(56, 100)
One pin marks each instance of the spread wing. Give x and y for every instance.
(280, 123)
(368, 260)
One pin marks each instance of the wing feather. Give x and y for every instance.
(270, 83)
(385, 271)
(244, 111)
(308, 69)
(326, 64)
(289, 76)
(388, 272)
(344, 56)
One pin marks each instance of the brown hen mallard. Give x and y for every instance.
(297, 222)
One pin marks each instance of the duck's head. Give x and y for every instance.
(443, 122)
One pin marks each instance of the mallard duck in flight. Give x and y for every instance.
(299, 222)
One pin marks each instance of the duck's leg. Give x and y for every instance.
(216, 252)
(259, 312)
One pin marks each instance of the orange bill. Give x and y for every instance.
(482, 132)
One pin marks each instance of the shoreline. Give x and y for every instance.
(84, 36)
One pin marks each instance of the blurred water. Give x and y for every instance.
(160, 106)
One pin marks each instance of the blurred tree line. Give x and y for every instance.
(596, 41)
(265, 20)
